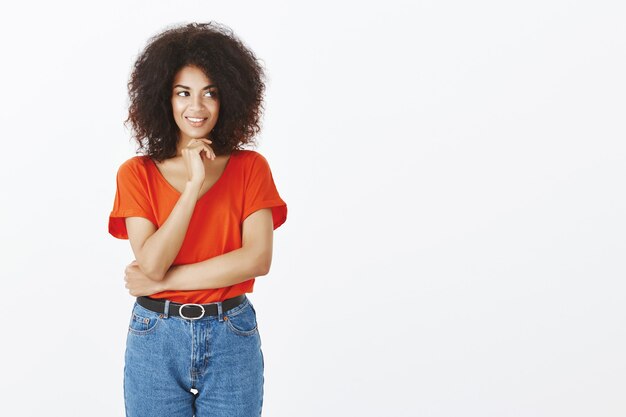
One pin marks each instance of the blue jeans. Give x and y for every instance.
(219, 357)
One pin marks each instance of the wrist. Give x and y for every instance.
(162, 285)
(165, 282)
(193, 186)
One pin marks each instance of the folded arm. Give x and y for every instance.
(156, 248)
(252, 260)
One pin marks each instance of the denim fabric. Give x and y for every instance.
(218, 357)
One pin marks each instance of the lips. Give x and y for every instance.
(196, 121)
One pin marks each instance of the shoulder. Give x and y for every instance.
(134, 166)
(247, 154)
(251, 157)
(135, 162)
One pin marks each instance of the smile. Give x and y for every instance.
(195, 121)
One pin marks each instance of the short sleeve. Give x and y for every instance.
(131, 199)
(260, 192)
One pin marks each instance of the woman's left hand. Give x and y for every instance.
(138, 283)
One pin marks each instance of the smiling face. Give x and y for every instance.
(195, 104)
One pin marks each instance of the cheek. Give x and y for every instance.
(176, 107)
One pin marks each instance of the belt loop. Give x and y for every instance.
(167, 308)
(219, 311)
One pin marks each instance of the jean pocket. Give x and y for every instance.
(143, 321)
(242, 322)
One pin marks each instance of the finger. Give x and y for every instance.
(205, 147)
(202, 147)
(197, 150)
(207, 151)
(194, 143)
(199, 140)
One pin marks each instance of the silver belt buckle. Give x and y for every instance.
(180, 311)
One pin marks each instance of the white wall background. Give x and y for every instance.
(454, 173)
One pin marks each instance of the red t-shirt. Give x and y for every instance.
(245, 186)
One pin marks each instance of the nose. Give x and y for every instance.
(196, 102)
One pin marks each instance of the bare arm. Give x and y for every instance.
(155, 249)
(253, 259)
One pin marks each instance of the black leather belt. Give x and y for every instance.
(189, 310)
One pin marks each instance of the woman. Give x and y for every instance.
(199, 212)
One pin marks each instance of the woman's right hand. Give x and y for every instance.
(193, 158)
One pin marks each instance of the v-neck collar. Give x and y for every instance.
(178, 193)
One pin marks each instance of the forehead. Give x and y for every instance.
(190, 75)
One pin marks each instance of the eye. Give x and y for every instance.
(210, 93)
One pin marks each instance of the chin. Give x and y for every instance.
(197, 133)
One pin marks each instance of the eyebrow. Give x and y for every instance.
(184, 86)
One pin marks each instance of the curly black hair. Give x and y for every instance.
(224, 58)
